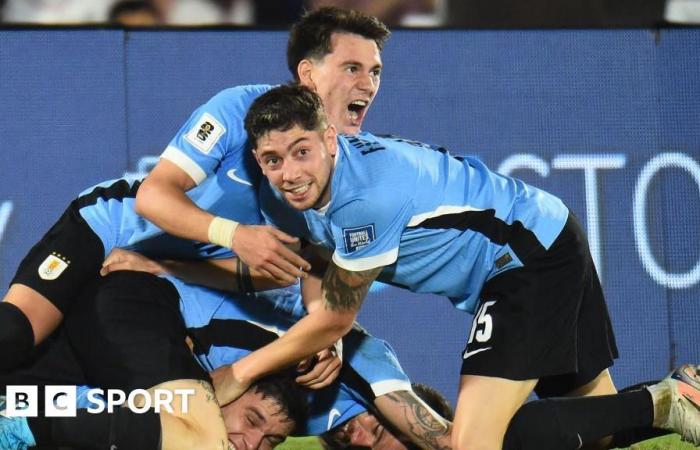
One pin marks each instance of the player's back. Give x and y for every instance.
(442, 224)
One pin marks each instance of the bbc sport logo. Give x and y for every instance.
(64, 401)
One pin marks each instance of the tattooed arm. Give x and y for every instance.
(415, 420)
(342, 294)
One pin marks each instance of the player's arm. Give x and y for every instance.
(161, 199)
(415, 420)
(343, 292)
(229, 275)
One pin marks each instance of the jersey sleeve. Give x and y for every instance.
(375, 361)
(213, 132)
(367, 230)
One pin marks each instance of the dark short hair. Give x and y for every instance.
(434, 399)
(131, 6)
(310, 37)
(288, 395)
(283, 107)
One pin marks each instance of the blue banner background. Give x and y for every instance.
(607, 120)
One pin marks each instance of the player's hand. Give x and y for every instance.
(324, 371)
(120, 259)
(226, 386)
(264, 249)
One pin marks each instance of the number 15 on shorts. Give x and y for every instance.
(482, 327)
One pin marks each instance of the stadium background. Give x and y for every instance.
(609, 120)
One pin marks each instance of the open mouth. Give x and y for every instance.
(299, 190)
(357, 109)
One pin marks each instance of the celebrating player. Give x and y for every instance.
(413, 215)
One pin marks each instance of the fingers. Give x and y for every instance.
(323, 373)
(289, 255)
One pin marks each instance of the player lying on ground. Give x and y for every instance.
(415, 216)
(222, 330)
(335, 52)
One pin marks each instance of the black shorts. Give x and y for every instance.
(546, 320)
(127, 333)
(64, 261)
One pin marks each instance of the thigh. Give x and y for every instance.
(128, 333)
(66, 259)
(484, 408)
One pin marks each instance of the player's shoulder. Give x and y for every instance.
(238, 97)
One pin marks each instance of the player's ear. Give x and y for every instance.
(305, 70)
(330, 139)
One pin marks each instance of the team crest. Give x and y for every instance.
(53, 266)
(357, 238)
(205, 133)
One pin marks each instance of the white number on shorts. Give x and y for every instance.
(481, 318)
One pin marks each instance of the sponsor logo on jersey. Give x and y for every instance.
(53, 266)
(358, 237)
(205, 133)
(232, 175)
(503, 260)
(334, 414)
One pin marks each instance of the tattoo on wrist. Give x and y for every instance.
(424, 426)
(346, 290)
(243, 278)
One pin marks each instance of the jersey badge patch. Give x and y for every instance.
(205, 133)
(358, 237)
(53, 266)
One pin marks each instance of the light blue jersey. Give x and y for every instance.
(438, 224)
(225, 329)
(212, 147)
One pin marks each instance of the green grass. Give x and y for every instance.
(670, 442)
(307, 443)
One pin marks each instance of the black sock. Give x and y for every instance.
(123, 430)
(567, 423)
(16, 337)
(626, 438)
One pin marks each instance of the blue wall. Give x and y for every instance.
(608, 120)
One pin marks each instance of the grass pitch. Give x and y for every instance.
(670, 442)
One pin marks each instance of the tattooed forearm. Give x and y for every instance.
(431, 430)
(345, 290)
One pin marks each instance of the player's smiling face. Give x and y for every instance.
(365, 431)
(346, 79)
(254, 422)
(299, 163)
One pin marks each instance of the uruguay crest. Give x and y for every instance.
(53, 266)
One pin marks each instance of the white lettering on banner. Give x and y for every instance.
(5, 211)
(524, 161)
(590, 164)
(641, 236)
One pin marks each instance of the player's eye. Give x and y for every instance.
(377, 73)
(272, 161)
(351, 69)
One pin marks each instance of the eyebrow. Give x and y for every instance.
(358, 63)
(257, 412)
(303, 138)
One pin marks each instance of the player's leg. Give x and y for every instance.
(127, 333)
(485, 406)
(52, 274)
